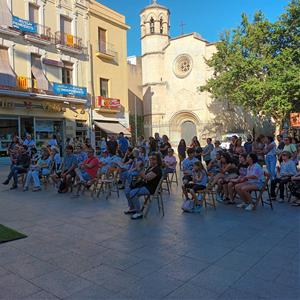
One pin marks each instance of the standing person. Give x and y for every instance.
(152, 145)
(150, 180)
(248, 144)
(164, 146)
(20, 165)
(29, 143)
(112, 145)
(158, 141)
(53, 141)
(195, 144)
(181, 149)
(207, 150)
(270, 151)
(258, 148)
(123, 143)
(291, 148)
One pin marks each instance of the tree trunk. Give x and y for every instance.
(277, 128)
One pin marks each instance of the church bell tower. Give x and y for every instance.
(155, 26)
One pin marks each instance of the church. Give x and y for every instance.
(172, 71)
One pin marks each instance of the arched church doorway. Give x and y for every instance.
(188, 131)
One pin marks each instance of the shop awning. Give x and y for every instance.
(7, 74)
(37, 71)
(112, 128)
(5, 14)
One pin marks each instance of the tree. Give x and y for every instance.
(257, 65)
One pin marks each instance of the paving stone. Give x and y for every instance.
(234, 294)
(60, 283)
(41, 296)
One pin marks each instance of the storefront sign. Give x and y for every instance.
(7, 104)
(24, 25)
(108, 103)
(52, 107)
(69, 89)
(295, 119)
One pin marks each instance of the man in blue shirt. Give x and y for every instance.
(123, 143)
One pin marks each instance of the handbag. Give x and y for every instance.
(187, 206)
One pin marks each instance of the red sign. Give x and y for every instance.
(295, 119)
(108, 103)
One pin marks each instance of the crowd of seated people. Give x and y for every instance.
(233, 174)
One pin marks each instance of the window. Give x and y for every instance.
(67, 73)
(104, 92)
(161, 25)
(33, 13)
(102, 40)
(151, 25)
(65, 25)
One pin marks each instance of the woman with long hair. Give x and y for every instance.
(181, 149)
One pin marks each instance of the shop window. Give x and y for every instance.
(67, 73)
(33, 13)
(151, 25)
(104, 87)
(102, 40)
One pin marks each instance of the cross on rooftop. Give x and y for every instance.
(182, 27)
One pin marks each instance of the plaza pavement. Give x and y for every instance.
(87, 249)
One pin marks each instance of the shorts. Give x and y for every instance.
(195, 187)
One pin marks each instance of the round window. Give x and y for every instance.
(183, 65)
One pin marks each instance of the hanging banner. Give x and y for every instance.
(69, 89)
(24, 25)
(108, 103)
(69, 40)
(295, 119)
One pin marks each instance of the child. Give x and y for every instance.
(199, 183)
(187, 166)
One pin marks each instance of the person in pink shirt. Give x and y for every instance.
(170, 162)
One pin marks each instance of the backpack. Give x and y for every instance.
(187, 206)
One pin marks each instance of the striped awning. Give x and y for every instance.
(112, 127)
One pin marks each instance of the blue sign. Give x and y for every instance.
(24, 25)
(69, 89)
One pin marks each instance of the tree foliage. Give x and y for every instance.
(257, 64)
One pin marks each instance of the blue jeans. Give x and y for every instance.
(133, 197)
(271, 165)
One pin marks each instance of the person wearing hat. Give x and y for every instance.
(286, 170)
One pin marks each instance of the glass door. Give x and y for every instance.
(27, 126)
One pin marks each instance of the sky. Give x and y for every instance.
(208, 17)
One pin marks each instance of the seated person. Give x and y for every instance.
(214, 165)
(143, 155)
(169, 162)
(287, 169)
(253, 181)
(187, 166)
(80, 154)
(55, 160)
(199, 183)
(228, 188)
(20, 166)
(37, 168)
(295, 189)
(104, 162)
(87, 172)
(150, 180)
(69, 165)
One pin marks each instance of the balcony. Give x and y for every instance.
(108, 105)
(106, 51)
(29, 88)
(68, 43)
(42, 35)
(9, 30)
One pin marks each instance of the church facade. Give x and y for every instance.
(172, 71)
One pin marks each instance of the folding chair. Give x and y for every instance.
(156, 196)
(208, 197)
(173, 179)
(260, 193)
(109, 183)
(167, 183)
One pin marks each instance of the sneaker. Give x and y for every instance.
(250, 207)
(280, 200)
(129, 212)
(137, 216)
(6, 182)
(219, 198)
(36, 189)
(241, 205)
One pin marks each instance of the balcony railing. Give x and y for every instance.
(43, 33)
(27, 84)
(68, 40)
(106, 51)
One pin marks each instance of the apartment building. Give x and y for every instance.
(43, 69)
(108, 57)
